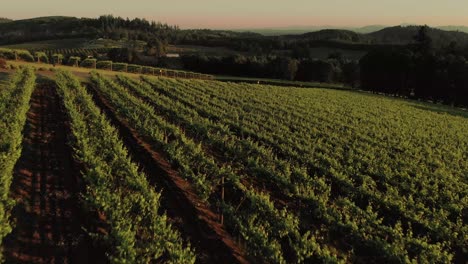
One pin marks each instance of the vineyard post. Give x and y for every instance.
(111, 65)
(16, 55)
(222, 198)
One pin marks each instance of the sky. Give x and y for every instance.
(237, 14)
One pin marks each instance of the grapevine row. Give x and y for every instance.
(14, 104)
(266, 230)
(115, 188)
(251, 148)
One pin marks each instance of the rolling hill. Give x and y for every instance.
(398, 35)
(61, 27)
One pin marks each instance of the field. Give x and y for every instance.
(138, 169)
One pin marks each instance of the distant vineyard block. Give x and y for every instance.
(121, 67)
(104, 65)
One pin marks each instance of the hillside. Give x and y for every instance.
(332, 35)
(60, 27)
(43, 28)
(306, 29)
(398, 35)
(454, 28)
(405, 35)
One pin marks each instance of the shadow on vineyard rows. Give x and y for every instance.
(197, 223)
(47, 216)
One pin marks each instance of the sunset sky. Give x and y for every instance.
(253, 13)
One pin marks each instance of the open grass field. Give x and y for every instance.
(152, 170)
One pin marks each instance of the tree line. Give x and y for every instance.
(335, 69)
(418, 70)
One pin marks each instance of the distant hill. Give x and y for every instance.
(116, 28)
(108, 27)
(42, 28)
(368, 29)
(331, 35)
(61, 27)
(5, 20)
(363, 30)
(398, 35)
(454, 28)
(405, 35)
(306, 29)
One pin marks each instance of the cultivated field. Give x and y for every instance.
(138, 169)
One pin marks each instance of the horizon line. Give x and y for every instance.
(282, 27)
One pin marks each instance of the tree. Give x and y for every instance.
(423, 41)
(425, 63)
(155, 47)
(387, 71)
(291, 69)
(316, 70)
(338, 56)
(350, 73)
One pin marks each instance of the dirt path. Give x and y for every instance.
(188, 213)
(48, 216)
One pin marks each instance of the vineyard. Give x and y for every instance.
(81, 52)
(84, 58)
(168, 170)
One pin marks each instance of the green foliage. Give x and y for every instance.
(149, 70)
(24, 55)
(319, 146)
(106, 65)
(137, 232)
(74, 61)
(7, 54)
(58, 58)
(256, 219)
(120, 67)
(11, 54)
(14, 104)
(41, 57)
(89, 63)
(134, 68)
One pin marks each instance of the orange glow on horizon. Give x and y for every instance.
(219, 14)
